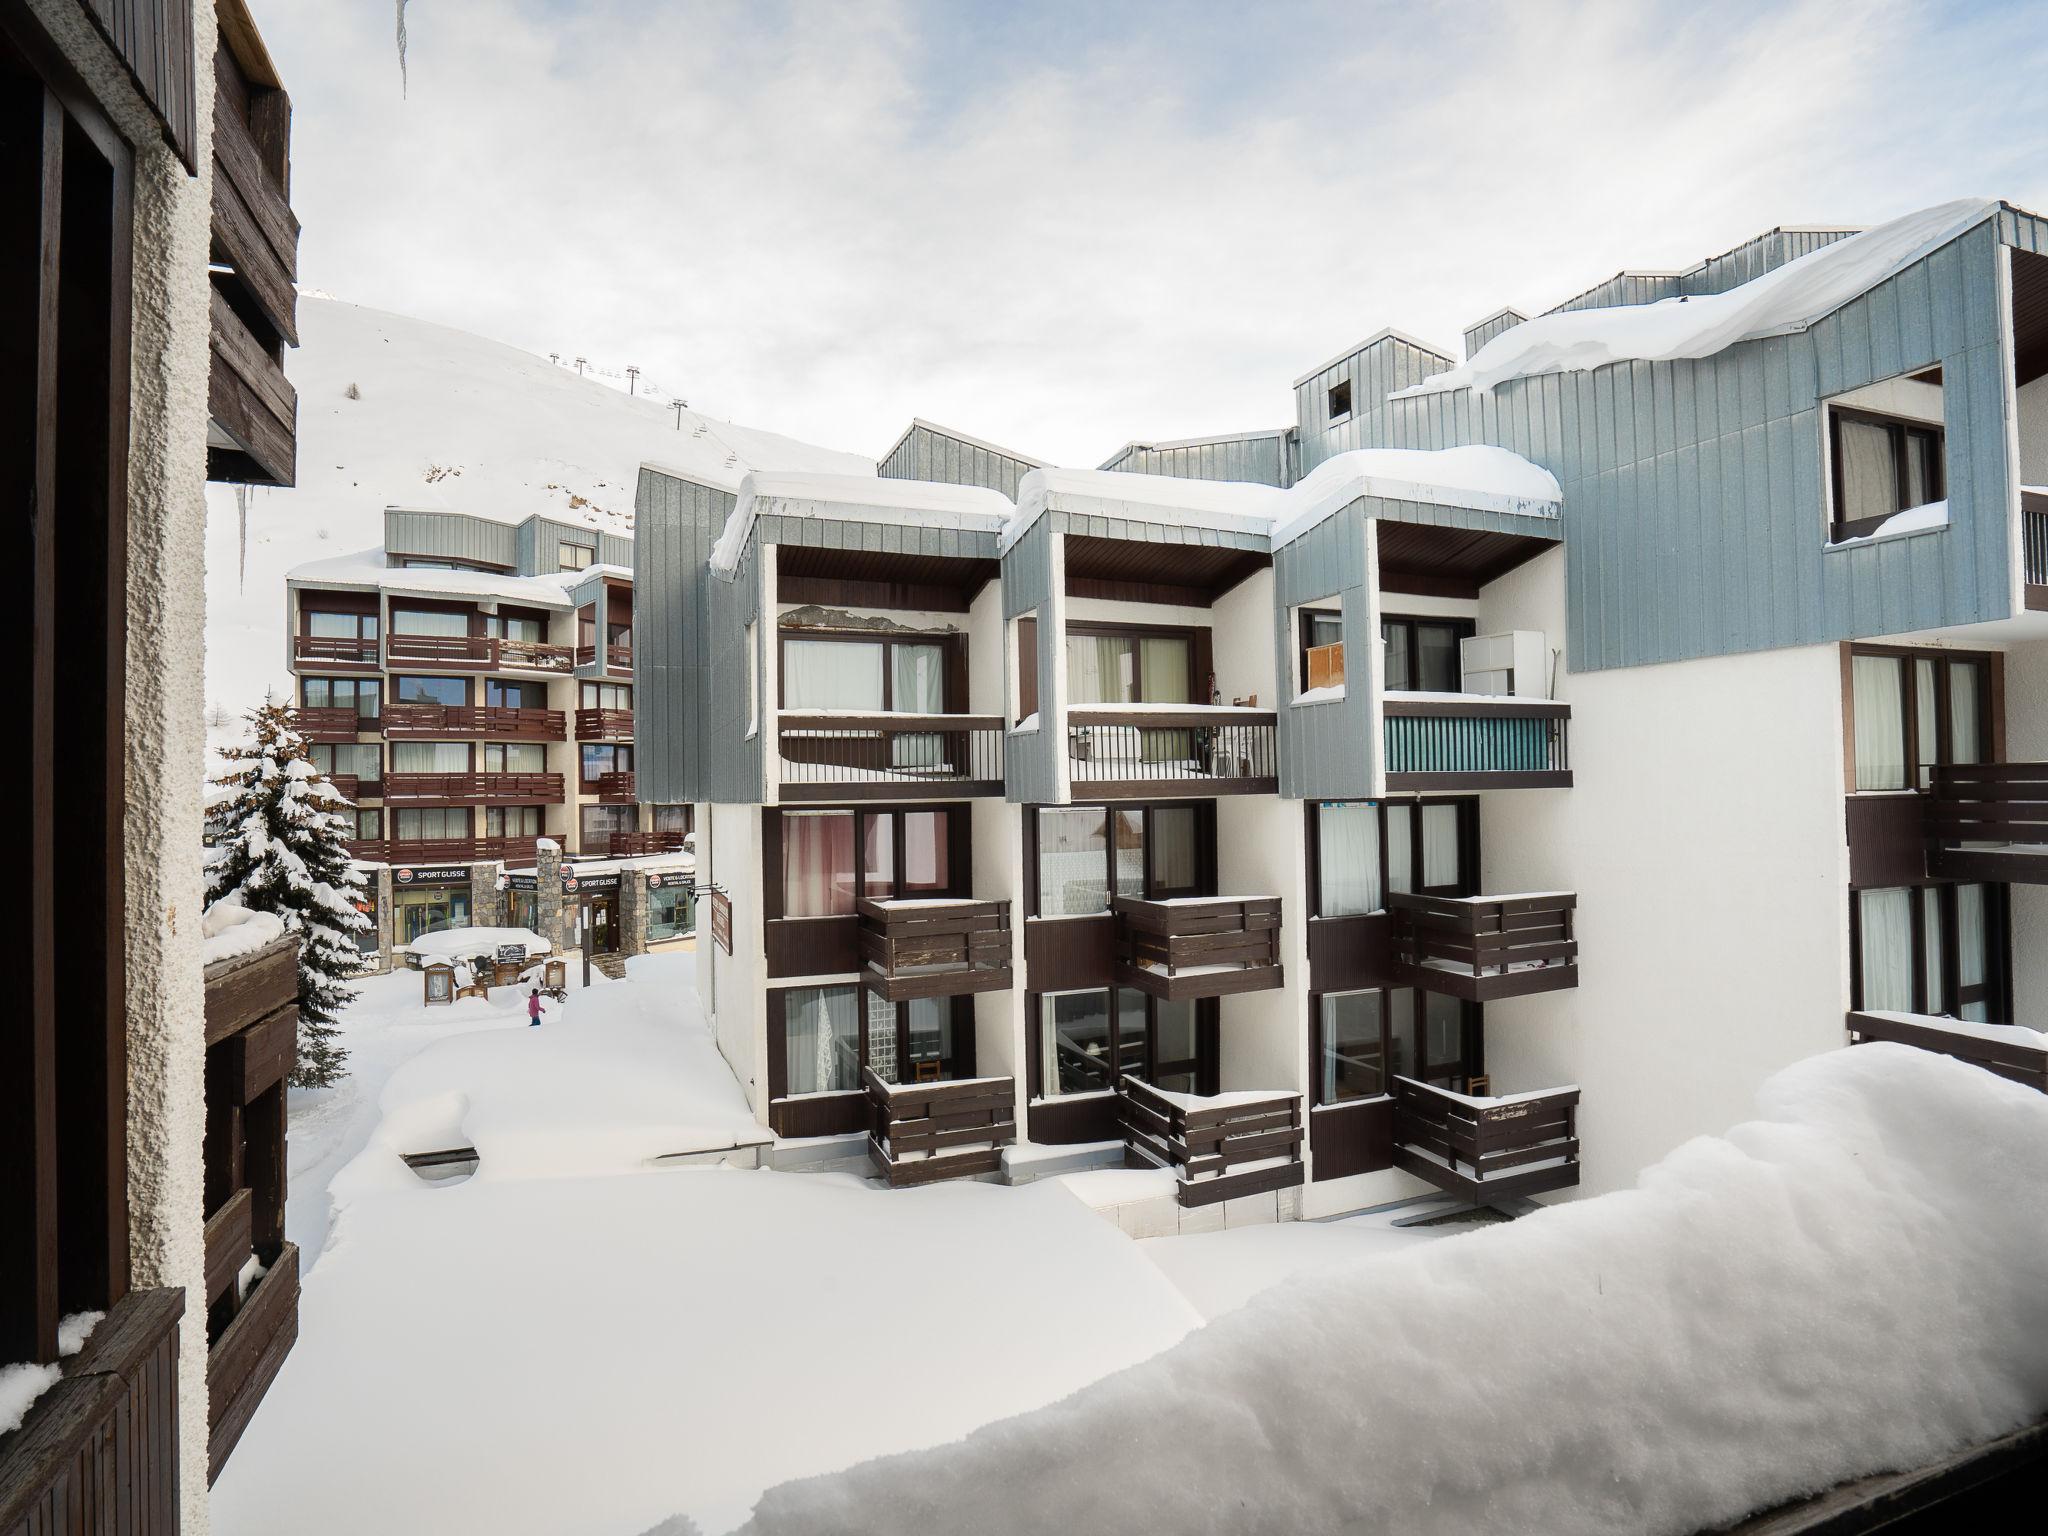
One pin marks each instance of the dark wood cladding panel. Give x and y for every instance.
(1347, 1139)
(1064, 953)
(249, 398)
(1346, 954)
(243, 990)
(245, 1359)
(824, 1114)
(1887, 840)
(154, 40)
(1066, 1122)
(1134, 570)
(812, 946)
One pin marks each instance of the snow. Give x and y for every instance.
(367, 569)
(467, 943)
(21, 1385)
(230, 930)
(1920, 519)
(1230, 1100)
(1099, 1188)
(2002, 1034)
(1787, 299)
(855, 498)
(1857, 1280)
(1219, 1272)
(449, 421)
(1329, 693)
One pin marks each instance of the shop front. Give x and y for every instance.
(522, 902)
(671, 907)
(592, 901)
(426, 899)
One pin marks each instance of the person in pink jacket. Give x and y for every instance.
(533, 1009)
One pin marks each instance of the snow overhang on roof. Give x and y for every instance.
(1479, 478)
(856, 499)
(1789, 298)
(367, 572)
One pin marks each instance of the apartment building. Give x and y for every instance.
(1478, 787)
(469, 687)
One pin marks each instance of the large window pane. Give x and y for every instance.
(1444, 1034)
(428, 621)
(1436, 658)
(1132, 1033)
(817, 863)
(1869, 477)
(932, 1057)
(822, 1041)
(1400, 675)
(1879, 684)
(881, 1036)
(1101, 669)
(334, 626)
(1933, 993)
(1164, 669)
(1400, 849)
(1073, 862)
(1172, 851)
(1973, 952)
(1347, 859)
(433, 690)
(1130, 852)
(1927, 717)
(917, 678)
(430, 757)
(1965, 726)
(1175, 1046)
(1886, 949)
(1075, 1043)
(878, 855)
(832, 674)
(1353, 1066)
(1440, 847)
(926, 859)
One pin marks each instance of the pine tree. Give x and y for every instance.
(278, 847)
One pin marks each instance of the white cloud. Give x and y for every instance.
(818, 220)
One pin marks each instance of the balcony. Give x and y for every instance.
(612, 788)
(604, 725)
(920, 1133)
(1124, 751)
(1220, 1146)
(942, 947)
(533, 656)
(1485, 948)
(1198, 946)
(2034, 543)
(637, 845)
(1988, 821)
(473, 789)
(618, 660)
(477, 653)
(326, 724)
(355, 789)
(1442, 741)
(365, 850)
(1487, 1149)
(445, 722)
(450, 850)
(349, 653)
(879, 757)
(2013, 1053)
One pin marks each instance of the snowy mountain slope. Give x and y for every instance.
(439, 418)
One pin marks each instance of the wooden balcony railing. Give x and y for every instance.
(1198, 946)
(636, 845)
(1989, 821)
(429, 850)
(919, 1133)
(97, 1452)
(852, 757)
(355, 789)
(533, 656)
(615, 788)
(2034, 546)
(1487, 1149)
(617, 658)
(473, 789)
(1446, 743)
(1121, 751)
(323, 723)
(1221, 1146)
(935, 948)
(365, 850)
(336, 651)
(1484, 948)
(474, 651)
(2013, 1053)
(495, 722)
(604, 725)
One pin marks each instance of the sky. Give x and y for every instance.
(1063, 226)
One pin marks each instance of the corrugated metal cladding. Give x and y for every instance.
(1693, 501)
(883, 538)
(450, 536)
(1375, 371)
(1753, 258)
(1258, 458)
(1326, 750)
(541, 538)
(1622, 288)
(1491, 327)
(924, 454)
(1031, 761)
(680, 754)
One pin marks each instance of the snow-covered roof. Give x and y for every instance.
(856, 498)
(366, 570)
(1481, 478)
(1786, 299)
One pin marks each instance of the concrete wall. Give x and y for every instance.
(1261, 851)
(2032, 403)
(1243, 642)
(733, 986)
(1705, 840)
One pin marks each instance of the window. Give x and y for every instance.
(506, 626)
(1086, 852)
(1320, 667)
(1088, 1040)
(1422, 654)
(1354, 1050)
(428, 621)
(369, 829)
(1933, 949)
(675, 818)
(452, 691)
(1366, 1039)
(597, 823)
(671, 911)
(512, 821)
(573, 557)
(818, 874)
(1364, 849)
(341, 626)
(1884, 464)
(1076, 1043)
(504, 695)
(515, 757)
(1024, 639)
(362, 694)
(603, 757)
(363, 760)
(1914, 710)
(1347, 858)
(1339, 401)
(413, 826)
(831, 859)
(1106, 666)
(821, 1039)
(607, 696)
(925, 1040)
(879, 676)
(430, 757)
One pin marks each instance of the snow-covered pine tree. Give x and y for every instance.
(278, 846)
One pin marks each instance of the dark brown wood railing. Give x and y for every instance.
(1198, 947)
(97, 1453)
(1437, 743)
(1487, 1149)
(2006, 1054)
(935, 949)
(919, 1133)
(534, 656)
(2002, 808)
(442, 650)
(1486, 947)
(604, 725)
(1221, 1147)
(322, 723)
(495, 721)
(473, 788)
(1117, 753)
(617, 658)
(827, 757)
(335, 650)
(635, 845)
(616, 788)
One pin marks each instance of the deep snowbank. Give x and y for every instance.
(1857, 1280)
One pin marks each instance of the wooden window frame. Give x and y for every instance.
(1997, 989)
(590, 694)
(369, 621)
(1465, 629)
(399, 679)
(1900, 428)
(355, 686)
(1990, 707)
(612, 749)
(1306, 619)
(585, 557)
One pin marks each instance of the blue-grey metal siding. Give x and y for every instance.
(449, 536)
(1490, 327)
(1258, 458)
(1375, 371)
(1753, 258)
(1623, 288)
(885, 538)
(1031, 761)
(676, 671)
(540, 538)
(1326, 750)
(925, 454)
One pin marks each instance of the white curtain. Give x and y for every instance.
(823, 1039)
(1098, 669)
(1880, 723)
(1073, 871)
(421, 621)
(1400, 850)
(1870, 478)
(918, 679)
(817, 863)
(1347, 859)
(1163, 670)
(1130, 852)
(429, 757)
(1439, 846)
(1970, 948)
(831, 674)
(1887, 948)
(1932, 930)
(1927, 715)
(1965, 738)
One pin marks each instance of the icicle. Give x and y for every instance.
(242, 555)
(403, 79)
